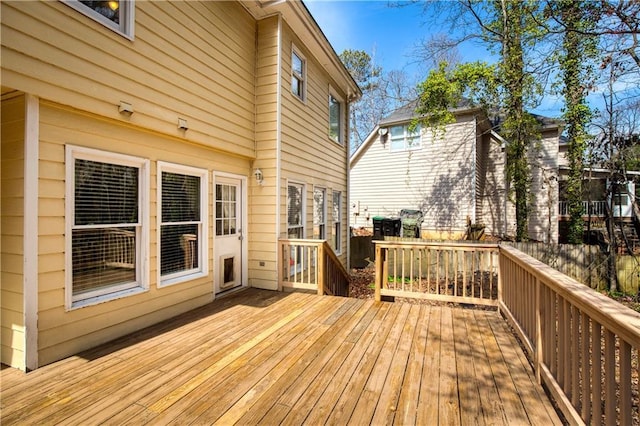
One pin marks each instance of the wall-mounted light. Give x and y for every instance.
(125, 108)
(382, 132)
(182, 124)
(257, 173)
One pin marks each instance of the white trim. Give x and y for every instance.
(30, 231)
(340, 249)
(141, 284)
(324, 212)
(125, 29)
(342, 138)
(203, 247)
(405, 138)
(303, 213)
(304, 76)
(244, 191)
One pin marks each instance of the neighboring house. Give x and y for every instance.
(454, 178)
(153, 154)
(602, 191)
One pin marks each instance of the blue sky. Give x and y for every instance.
(390, 34)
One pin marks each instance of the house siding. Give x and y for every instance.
(492, 212)
(12, 327)
(63, 332)
(437, 179)
(212, 64)
(543, 215)
(309, 156)
(262, 214)
(193, 60)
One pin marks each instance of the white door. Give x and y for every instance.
(229, 238)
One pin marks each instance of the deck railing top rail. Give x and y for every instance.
(622, 321)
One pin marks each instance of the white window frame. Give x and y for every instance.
(127, 19)
(406, 136)
(203, 224)
(302, 78)
(324, 212)
(337, 221)
(303, 209)
(340, 137)
(141, 283)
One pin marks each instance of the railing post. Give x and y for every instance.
(279, 264)
(321, 268)
(538, 337)
(379, 272)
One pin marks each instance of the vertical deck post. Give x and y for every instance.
(321, 268)
(379, 272)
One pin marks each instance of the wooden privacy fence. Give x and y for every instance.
(585, 263)
(584, 345)
(311, 265)
(450, 272)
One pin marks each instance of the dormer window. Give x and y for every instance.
(115, 14)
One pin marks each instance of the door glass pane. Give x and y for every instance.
(226, 209)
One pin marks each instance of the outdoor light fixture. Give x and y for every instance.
(258, 175)
(383, 135)
(125, 108)
(182, 124)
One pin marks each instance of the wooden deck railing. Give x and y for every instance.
(311, 265)
(581, 342)
(450, 272)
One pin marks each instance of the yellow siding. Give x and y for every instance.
(262, 211)
(12, 327)
(63, 333)
(194, 60)
(309, 156)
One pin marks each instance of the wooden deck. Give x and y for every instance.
(292, 358)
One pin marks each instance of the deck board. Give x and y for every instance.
(260, 357)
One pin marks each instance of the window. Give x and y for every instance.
(335, 132)
(182, 193)
(115, 14)
(319, 213)
(295, 210)
(402, 139)
(107, 225)
(298, 74)
(337, 221)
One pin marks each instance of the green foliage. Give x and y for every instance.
(361, 68)
(444, 89)
(573, 59)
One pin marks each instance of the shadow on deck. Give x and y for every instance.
(267, 357)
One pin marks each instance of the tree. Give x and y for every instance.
(381, 93)
(577, 51)
(368, 111)
(511, 29)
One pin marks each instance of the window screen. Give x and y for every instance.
(106, 225)
(319, 212)
(295, 211)
(181, 223)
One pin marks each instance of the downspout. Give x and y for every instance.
(30, 230)
(278, 145)
(348, 203)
